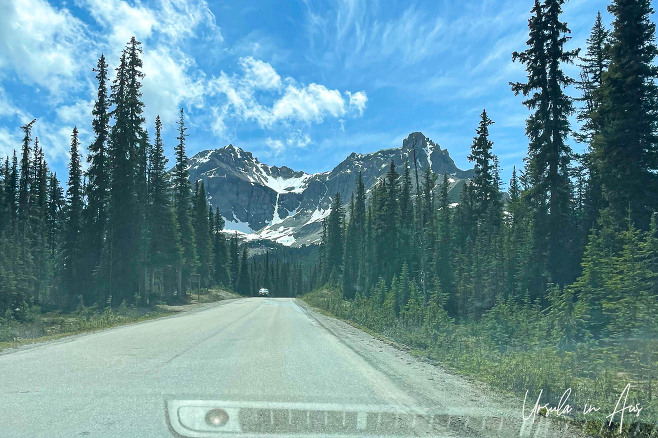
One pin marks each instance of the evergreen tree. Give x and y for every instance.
(183, 205)
(335, 236)
(234, 255)
(24, 190)
(5, 215)
(547, 128)
(481, 155)
(123, 229)
(626, 151)
(11, 189)
(593, 64)
(54, 210)
(164, 249)
(98, 181)
(73, 231)
(244, 283)
(222, 276)
(202, 233)
(444, 251)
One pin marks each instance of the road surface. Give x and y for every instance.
(256, 352)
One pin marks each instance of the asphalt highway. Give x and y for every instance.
(270, 365)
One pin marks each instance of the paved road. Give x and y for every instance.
(116, 382)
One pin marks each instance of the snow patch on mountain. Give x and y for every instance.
(317, 215)
(236, 225)
(283, 185)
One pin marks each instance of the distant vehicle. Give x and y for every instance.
(262, 292)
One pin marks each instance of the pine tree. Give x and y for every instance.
(547, 128)
(626, 151)
(593, 64)
(123, 231)
(444, 250)
(11, 189)
(98, 182)
(73, 231)
(55, 208)
(5, 216)
(164, 249)
(202, 233)
(220, 252)
(481, 155)
(335, 236)
(244, 283)
(24, 190)
(361, 236)
(406, 235)
(183, 205)
(234, 255)
(387, 224)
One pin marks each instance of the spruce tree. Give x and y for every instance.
(482, 157)
(11, 189)
(202, 233)
(73, 228)
(444, 250)
(98, 181)
(164, 250)
(349, 256)
(183, 206)
(234, 266)
(24, 189)
(547, 128)
(593, 64)
(55, 208)
(626, 151)
(123, 229)
(335, 236)
(220, 252)
(244, 282)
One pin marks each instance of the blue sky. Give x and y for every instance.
(298, 82)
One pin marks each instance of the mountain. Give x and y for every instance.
(286, 206)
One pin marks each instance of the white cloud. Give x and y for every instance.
(122, 20)
(311, 103)
(358, 101)
(9, 141)
(9, 110)
(298, 139)
(276, 145)
(260, 95)
(168, 83)
(78, 113)
(174, 20)
(259, 74)
(41, 44)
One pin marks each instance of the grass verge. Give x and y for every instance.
(48, 326)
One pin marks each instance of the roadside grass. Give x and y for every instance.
(46, 326)
(523, 361)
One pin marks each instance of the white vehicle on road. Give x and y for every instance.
(262, 292)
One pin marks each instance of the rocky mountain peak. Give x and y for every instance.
(415, 140)
(287, 206)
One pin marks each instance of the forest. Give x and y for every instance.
(127, 230)
(546, 282)
(553, 284)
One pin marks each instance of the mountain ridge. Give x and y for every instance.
(283, 205)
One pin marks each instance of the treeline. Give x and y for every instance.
(124, 230)
(574, 246)
(282, 276)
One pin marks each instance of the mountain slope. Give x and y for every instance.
(287, 206)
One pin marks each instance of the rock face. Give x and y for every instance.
(287, 206)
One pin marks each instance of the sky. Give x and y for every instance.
(301, 83)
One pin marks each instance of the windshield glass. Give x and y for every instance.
(328, 219)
